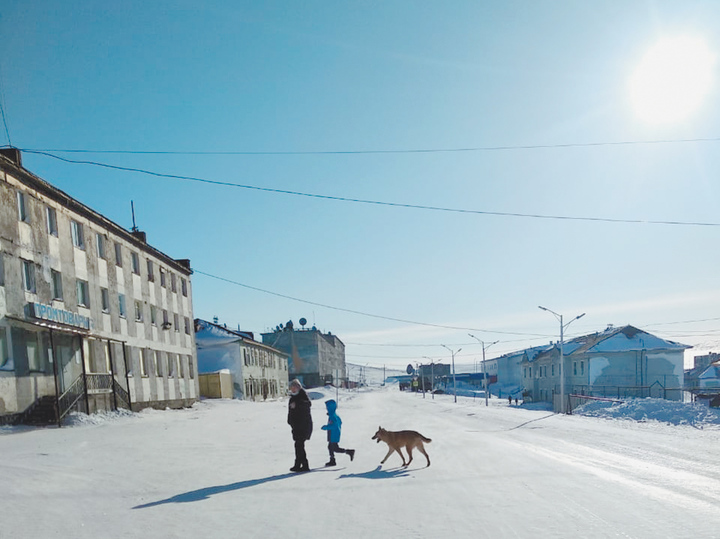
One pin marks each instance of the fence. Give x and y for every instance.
(655, 390)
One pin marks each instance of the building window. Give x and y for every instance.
(187, 326)
(151, 275)
(78, 238)
(552, 369)
(51, 215)
(191, 368)
(33, 352)
(100, 245)
(183, 286)
(23, 214)
(118, 254)
(574, 368)
(121, 305)
(135, 263)
(83, 296)
(530, 372)
(173, 282)
(170, 360)
(57, 290)
(582, 367)
(105, 299)
(2, 269)
(153, 315)
(162, 277)
(138, 311)
(181, 370)
(144, 362)
(156, 362)
(5, 363)
(166, 323)
(28, 276)
(176, 321)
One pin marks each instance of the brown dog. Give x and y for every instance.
(403, 438)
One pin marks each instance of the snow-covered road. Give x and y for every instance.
(221, 468)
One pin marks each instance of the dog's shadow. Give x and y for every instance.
(378, 473)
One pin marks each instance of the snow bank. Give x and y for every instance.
(648, 409)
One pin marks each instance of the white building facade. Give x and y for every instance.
(259, 371)
(91, 316)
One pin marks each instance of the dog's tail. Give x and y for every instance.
(426, 440)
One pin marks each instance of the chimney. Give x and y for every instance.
(139, 234)
(13, 154)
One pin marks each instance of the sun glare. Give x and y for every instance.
(672, 80)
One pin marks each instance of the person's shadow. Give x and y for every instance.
(378, 473)
(205, 493)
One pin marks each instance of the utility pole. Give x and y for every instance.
(562, 356)
(485, 385)
(453, 369)
(432, 376)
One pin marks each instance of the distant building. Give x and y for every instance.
(701, 364)
(315, 358)
(91, 316)
(259, 371)
(618, 362)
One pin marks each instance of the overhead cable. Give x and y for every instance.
(377, 202)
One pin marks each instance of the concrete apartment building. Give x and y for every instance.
(91, 316)
(314, 357)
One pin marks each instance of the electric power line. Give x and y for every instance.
(360, 312)
(376, 151)
(376, 202)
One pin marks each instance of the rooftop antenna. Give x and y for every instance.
(132, 207)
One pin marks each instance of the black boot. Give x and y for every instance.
(304, 467)
(351, 452)
(296, 467)
(331, 462)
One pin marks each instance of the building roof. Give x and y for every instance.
(209, 334)
(621, 339)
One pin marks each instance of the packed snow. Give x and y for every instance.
(642, 469)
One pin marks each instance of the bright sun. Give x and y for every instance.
(672, 80)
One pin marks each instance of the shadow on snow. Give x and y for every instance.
(378, 473)
(205, 493)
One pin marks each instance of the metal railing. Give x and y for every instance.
(74, 393)
(122, 395)
(99, 383)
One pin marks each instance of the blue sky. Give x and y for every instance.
(335, 77)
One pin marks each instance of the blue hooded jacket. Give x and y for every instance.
(334, 423)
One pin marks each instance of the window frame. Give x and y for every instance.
(56, 285)
(135, 262)
(138, 311)
(118, 254)
(122, 305)
(104, 300)
(28, 276)
(100, 248)
(78, 234)
(51, 218)
(82, 288)
(150, 272)
(22, 206)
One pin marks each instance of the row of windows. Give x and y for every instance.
(542, 370)
(151, 363)
(82, 291)
(261, 388)
(261, 358)
(78, 239)
(32, 351)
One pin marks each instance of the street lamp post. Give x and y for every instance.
(453, 369)
(422, 379)
(562, 356)
(483, 364)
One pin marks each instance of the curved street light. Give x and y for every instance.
(453, 368)
(483, 363)
(562, 356)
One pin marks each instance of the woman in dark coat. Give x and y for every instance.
(300, 421)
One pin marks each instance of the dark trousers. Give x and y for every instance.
(300, 456)
(333, 447)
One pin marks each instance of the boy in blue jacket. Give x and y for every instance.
(333, 427)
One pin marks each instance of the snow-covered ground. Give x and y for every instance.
(221, 469)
